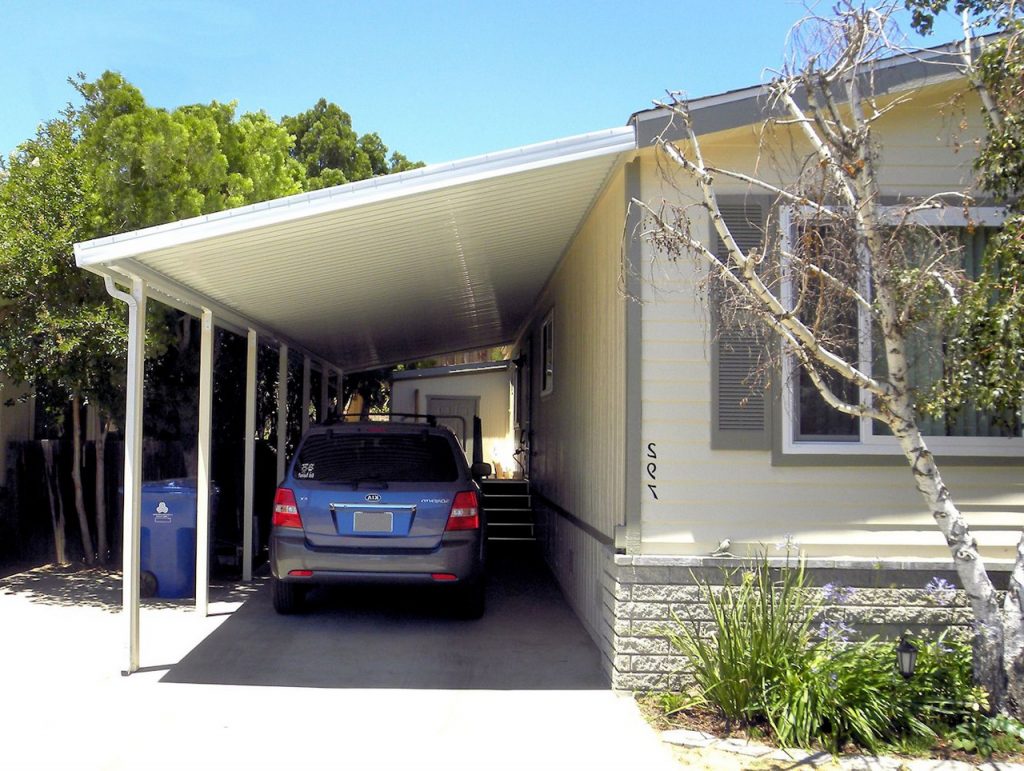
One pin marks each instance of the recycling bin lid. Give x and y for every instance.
(184, 485)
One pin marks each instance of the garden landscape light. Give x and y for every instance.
(906, 657)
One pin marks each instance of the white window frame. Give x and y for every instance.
(547, 354)
(869, 443)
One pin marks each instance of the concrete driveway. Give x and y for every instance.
(364, 680)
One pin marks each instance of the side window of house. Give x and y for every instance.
(547, 372)
(811, 423)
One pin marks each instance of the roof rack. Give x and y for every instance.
(431, 420)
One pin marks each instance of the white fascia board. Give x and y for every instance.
(438, 176)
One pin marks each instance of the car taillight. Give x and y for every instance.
(465, 514)
(286, 511)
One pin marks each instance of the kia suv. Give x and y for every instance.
(379, 502)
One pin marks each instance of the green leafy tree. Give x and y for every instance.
(986, 350)
(58, 330)
(331, 152)
(113, 164)
(148, 165)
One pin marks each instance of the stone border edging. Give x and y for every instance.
(803, 759)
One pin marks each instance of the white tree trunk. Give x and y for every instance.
(1013, 626)
(970, 567)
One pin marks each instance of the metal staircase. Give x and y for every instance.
(509, 509)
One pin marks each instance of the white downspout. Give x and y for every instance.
(136, 302)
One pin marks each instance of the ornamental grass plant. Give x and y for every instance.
(760, 628)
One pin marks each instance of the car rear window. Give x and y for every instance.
(376, 457)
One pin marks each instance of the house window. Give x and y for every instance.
(810, 426)
(547, 372)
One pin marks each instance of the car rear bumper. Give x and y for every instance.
(459, 554)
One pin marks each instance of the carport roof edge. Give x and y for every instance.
(109, 249)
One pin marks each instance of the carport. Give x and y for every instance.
(444, 258)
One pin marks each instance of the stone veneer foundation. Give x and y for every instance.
(641, 594)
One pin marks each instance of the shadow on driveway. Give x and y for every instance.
(368, 637)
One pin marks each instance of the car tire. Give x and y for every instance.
(472, 599)
(288, 597)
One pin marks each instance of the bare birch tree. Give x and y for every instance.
(848, 286)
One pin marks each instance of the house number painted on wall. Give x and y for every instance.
(652, 469)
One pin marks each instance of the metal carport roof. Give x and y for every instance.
(443, 258)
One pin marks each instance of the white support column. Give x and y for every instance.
(325, 377)
(282, 408)
(203, 482)
(305, 393)
(249, 471)
(136, 301)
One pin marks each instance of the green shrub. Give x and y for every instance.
(987, 734)
(771, 655)
(942, 690)
(840, 694)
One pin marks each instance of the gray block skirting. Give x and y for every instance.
(643, 595)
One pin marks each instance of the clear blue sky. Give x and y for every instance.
(437, 80)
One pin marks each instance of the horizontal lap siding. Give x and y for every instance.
(579, 428)
(705, 496)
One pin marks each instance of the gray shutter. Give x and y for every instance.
(740, 408)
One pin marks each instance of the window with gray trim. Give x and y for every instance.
(812, 424)
(547, 370)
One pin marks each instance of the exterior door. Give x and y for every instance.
(456, 407)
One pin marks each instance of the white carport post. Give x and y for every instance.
(325, 378)
(305, 393)
(249, 472)
(136, 302)
(203, 482)
(282, 407)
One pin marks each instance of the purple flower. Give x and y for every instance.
(835, 631)
(941, 591)
(836, 594)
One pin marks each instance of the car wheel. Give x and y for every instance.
(288, 597)
(472, 599)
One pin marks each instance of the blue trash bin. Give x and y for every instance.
(168, 543)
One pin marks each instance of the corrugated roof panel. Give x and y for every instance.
(386, 278)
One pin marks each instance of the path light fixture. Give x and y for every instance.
(906, 657)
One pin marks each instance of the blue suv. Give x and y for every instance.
(379, 502)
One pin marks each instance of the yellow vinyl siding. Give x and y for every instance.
(705, 496)
(579, 427)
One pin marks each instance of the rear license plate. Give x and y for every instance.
(373, 522)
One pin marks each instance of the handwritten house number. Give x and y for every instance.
(652, 469)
